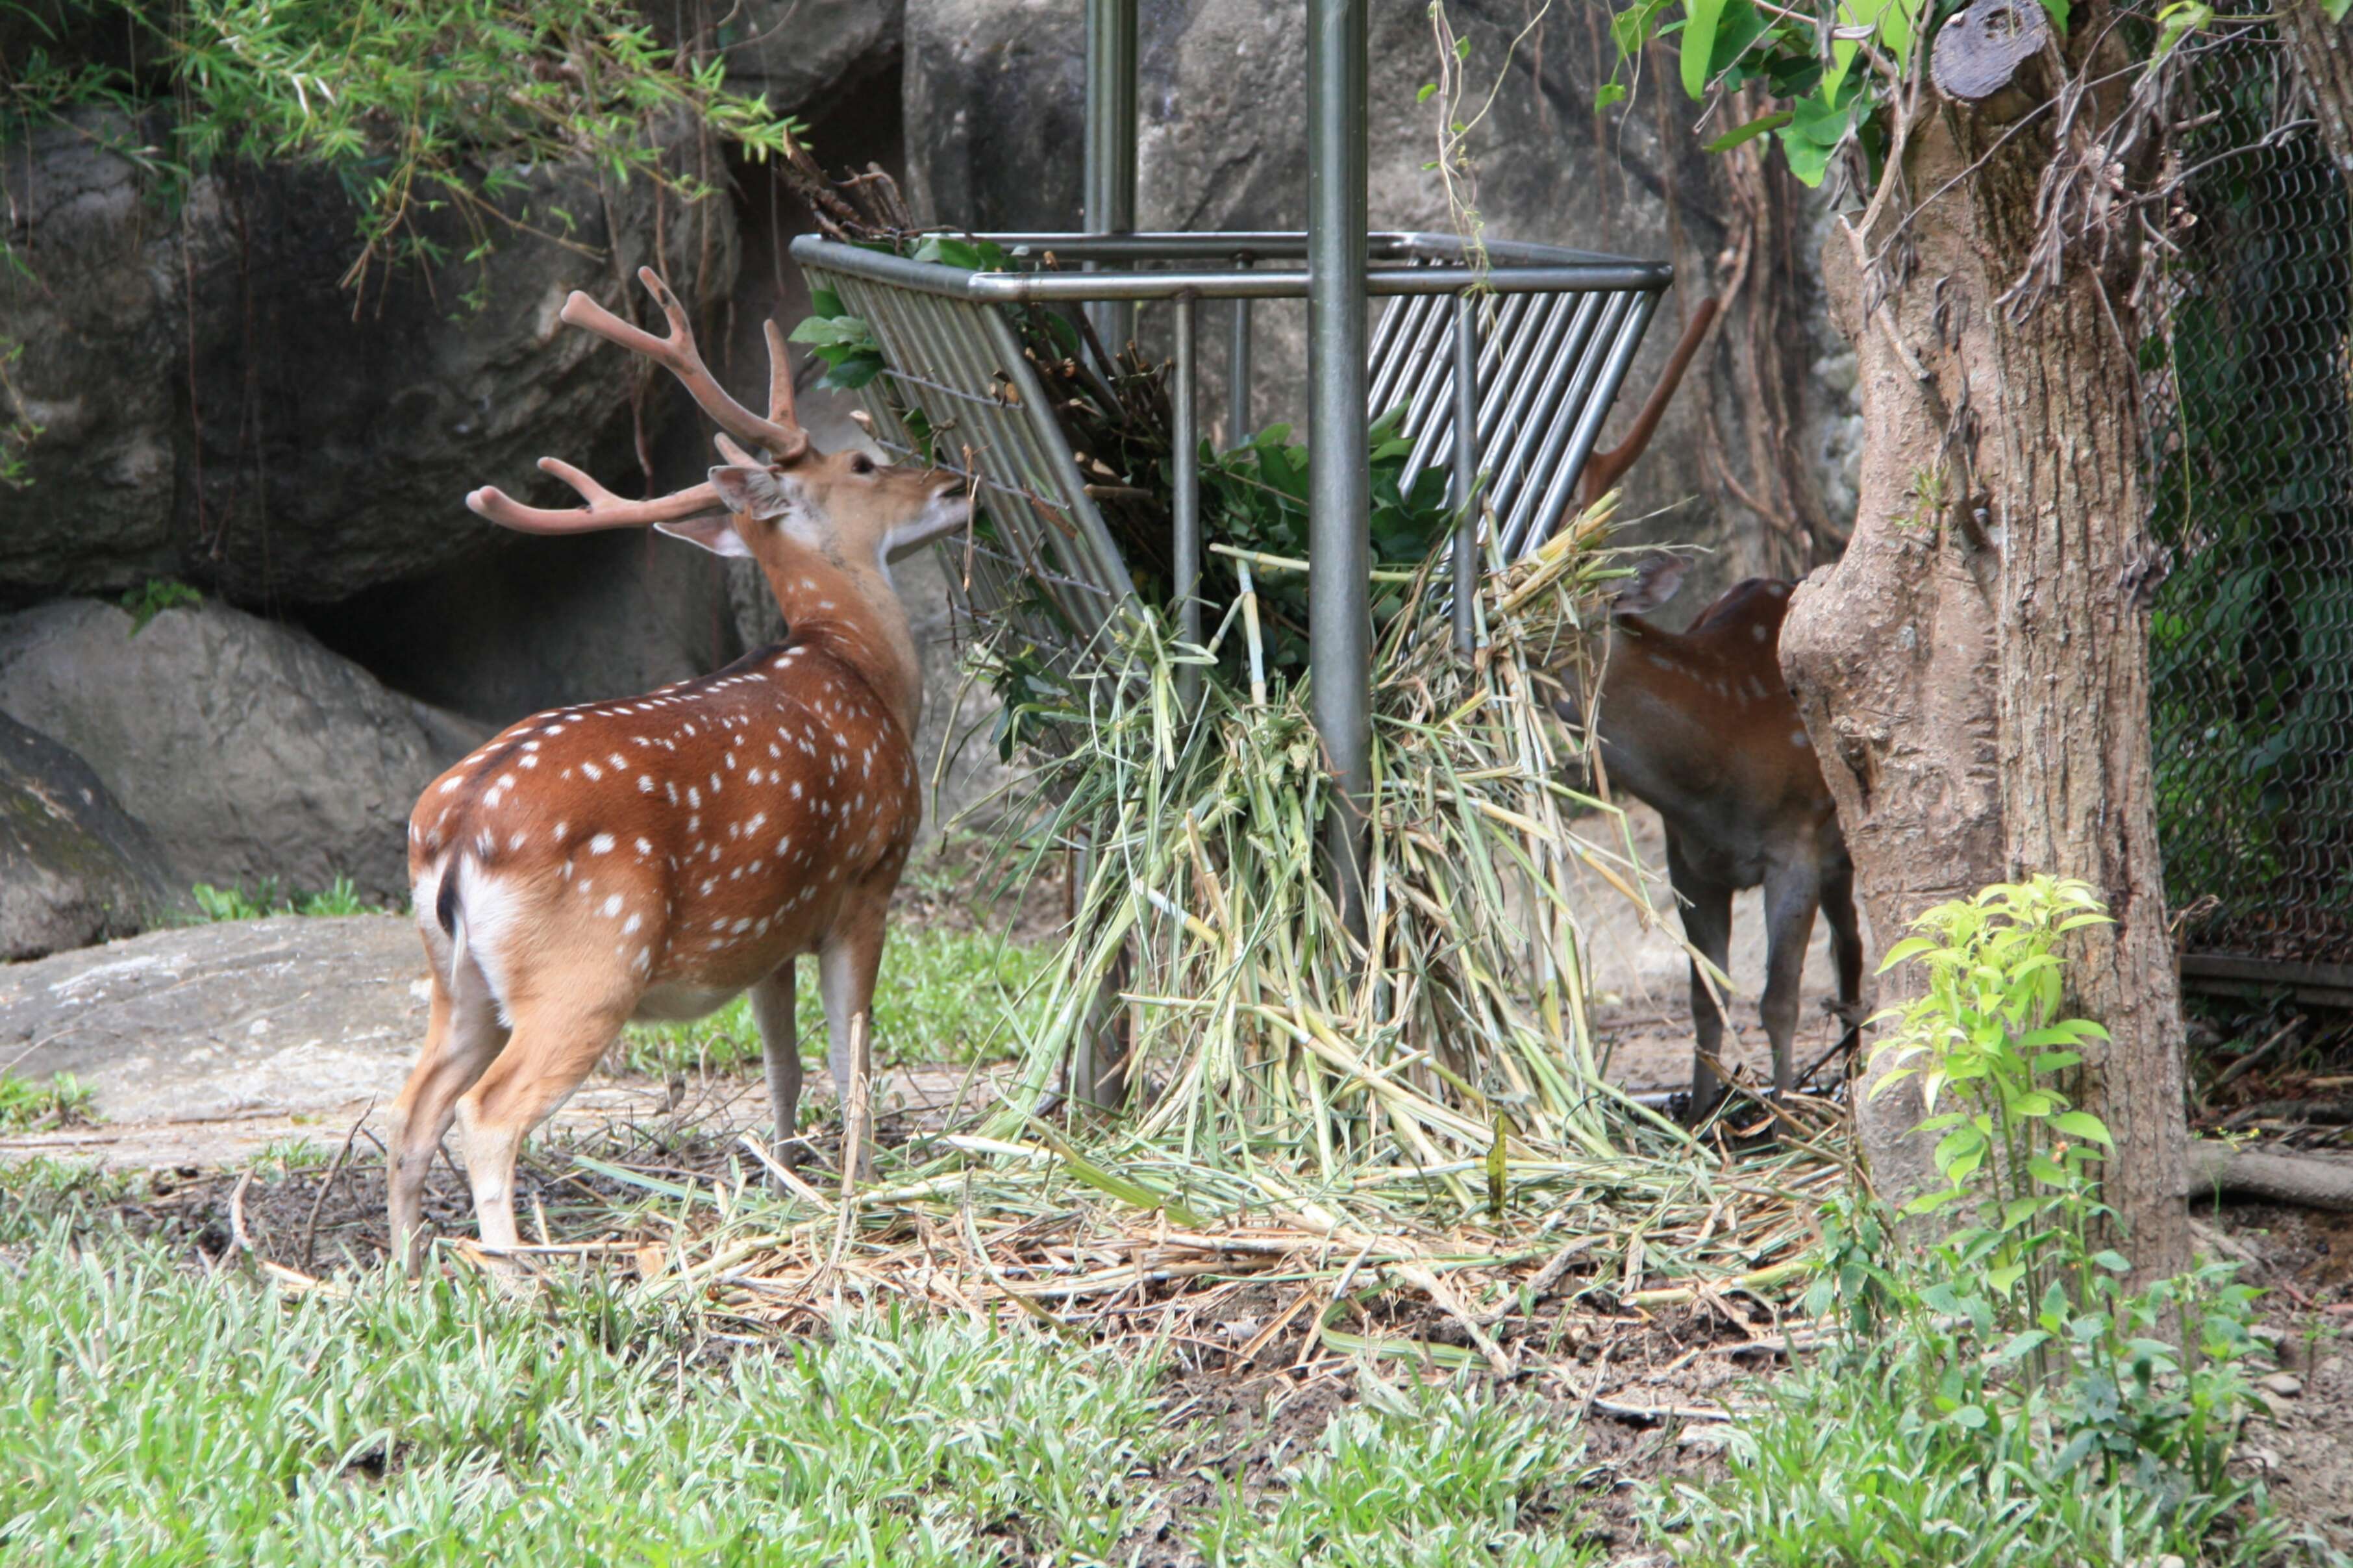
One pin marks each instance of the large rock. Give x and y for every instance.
(994, 91)
(211, 1021)
(74, 868)
(251, 750)
(214, 404)
(803, 55)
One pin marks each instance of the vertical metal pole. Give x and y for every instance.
(1339, 505)
(1466, 470)
(1186, 429)
(1237, 372)
(1110, 146)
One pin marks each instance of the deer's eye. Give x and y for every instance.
(862, 464)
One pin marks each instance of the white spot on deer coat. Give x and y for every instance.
(601, 844)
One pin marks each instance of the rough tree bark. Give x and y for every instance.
(1974, 671)
(2322, 53)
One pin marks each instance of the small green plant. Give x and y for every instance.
(285, 1156)
(32, 1105)
(1414, 1475)
(233, 903)
(1998, 1393)
(157, 596)
(1985, 1039)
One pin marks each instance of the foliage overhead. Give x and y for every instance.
(419, 107)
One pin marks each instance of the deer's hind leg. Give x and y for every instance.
(558, 1039)
(1792, 895)
(462, 1037)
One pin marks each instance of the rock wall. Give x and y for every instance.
(216, 405)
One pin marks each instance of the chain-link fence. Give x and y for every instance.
(2251, 471)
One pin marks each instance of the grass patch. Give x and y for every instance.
(233, 903)
(1420, 1476)
(156, 1415)
(33, 1105)
(943, 996)
(153, 1416)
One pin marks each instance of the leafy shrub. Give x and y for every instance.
(1999, 1394)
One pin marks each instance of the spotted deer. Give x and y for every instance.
(1699, 725)
(656, 856)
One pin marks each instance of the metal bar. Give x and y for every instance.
(1551, 363)
(934, 278)
(1590, 412)
(1175, 245)
(1110, 145)
(1418, 343)
(1049, 433)
(1187, 502)
(1432, 441)
(1550, 477)
(1237, 373)
(1339, 581)
(1466, 470)
(1266, 284)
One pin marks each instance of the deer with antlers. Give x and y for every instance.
(654, 857)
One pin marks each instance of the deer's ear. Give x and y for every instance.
(756, 492)
(716, 535)
(1654, 582)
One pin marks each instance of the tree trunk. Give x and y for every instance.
(2322, 53)
(1974, 672)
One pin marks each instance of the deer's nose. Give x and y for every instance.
(949, 486)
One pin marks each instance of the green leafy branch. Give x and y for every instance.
(418, 106)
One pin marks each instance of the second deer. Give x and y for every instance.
(1699, 725)
(656, 856)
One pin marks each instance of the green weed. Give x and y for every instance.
(1419, 1475)
(27, 1104)
(1999, 1394)
(233, 903)
(153, 597)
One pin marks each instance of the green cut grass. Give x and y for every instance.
(943, 996)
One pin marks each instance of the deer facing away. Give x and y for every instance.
(1700, 727)
(656, 856)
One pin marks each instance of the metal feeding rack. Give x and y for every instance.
(1503, 373)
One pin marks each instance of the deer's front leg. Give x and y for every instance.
(846, 967)
(780, 1050)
